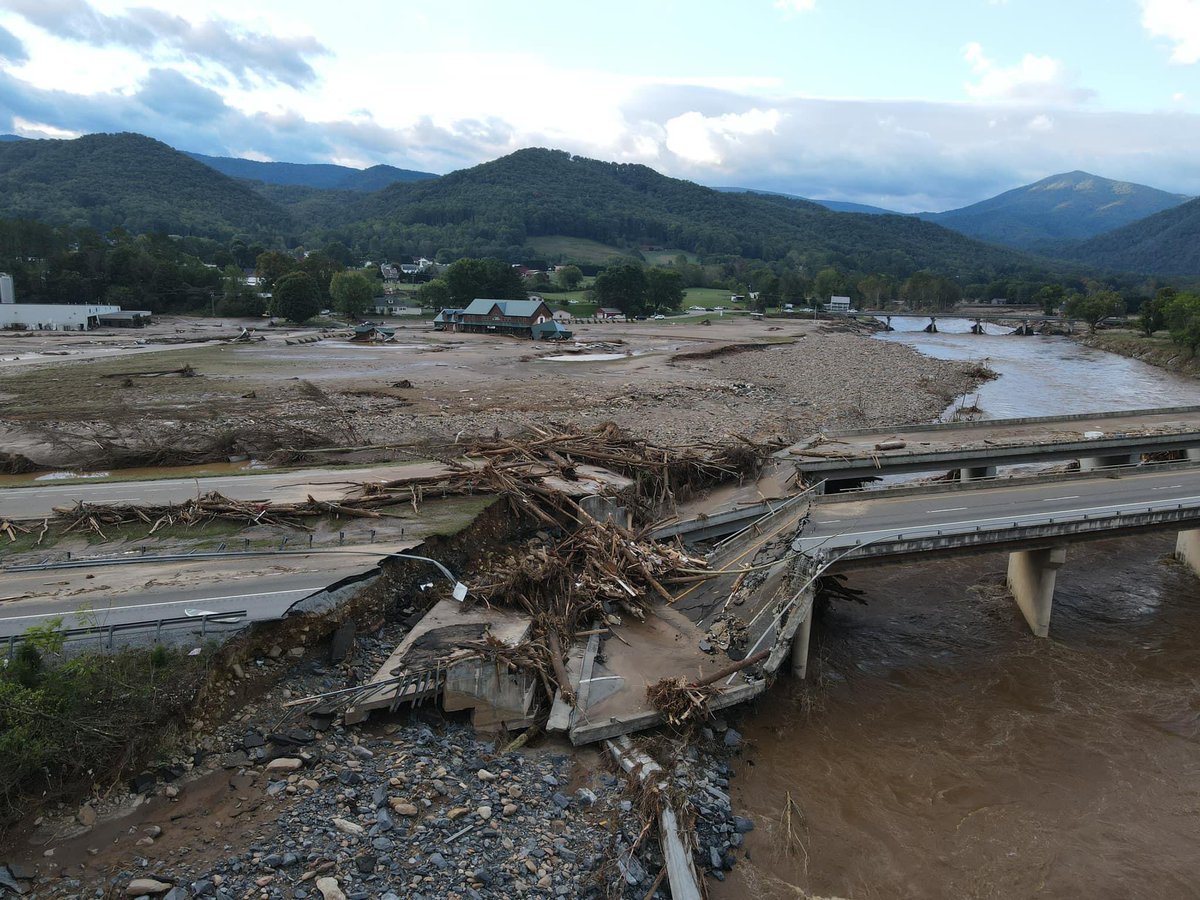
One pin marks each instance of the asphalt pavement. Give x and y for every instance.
(39, 499)
(842, 523)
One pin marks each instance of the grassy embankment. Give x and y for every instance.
(1157, 350)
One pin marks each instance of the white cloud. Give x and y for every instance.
(792, 7)
(706, 140)
(1040, 78)
(1179, 22)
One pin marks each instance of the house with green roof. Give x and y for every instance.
(482, 316)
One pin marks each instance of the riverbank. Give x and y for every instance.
(1157, 350)
(938, 750)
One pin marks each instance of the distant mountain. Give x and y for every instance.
(129, 180)
(835, 205)
(495, 208)
(1167, 243)
(1070, 207)
(4, 138)
(325, 176)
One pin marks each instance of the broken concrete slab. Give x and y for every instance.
(436, 642)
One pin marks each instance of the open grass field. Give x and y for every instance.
(578, 250)
(708, 298)
(663, 257)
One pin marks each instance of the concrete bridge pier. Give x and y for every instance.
(977, 328)
(1193, 454)
(1092, 463)
(1187, 549)
(974, 473)
(1031, 578)
(800, 644)
(932, 328)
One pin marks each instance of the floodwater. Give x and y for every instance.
(584, 357)
(1046, 376)
(939, 750)
(200, 470)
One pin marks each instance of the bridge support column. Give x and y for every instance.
(932, 326)
(800, 646)
(1031, 578)
(1193, 454)
(1092, 463)
(1187, 549)
(974, 473)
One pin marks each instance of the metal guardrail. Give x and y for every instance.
(106, 635)
(1096, 519)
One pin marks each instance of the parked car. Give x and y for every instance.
(660, 316)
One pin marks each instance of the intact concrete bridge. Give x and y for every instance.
(975, 449)
(1033, 519)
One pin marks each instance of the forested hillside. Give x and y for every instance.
(1164, 244)
(1069, 207)
(495, 208)
(104, 181)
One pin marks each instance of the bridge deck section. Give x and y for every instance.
(852, 453)
(858, 528)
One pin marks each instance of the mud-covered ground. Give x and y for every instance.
(672, 383)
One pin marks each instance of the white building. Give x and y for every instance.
(839, 305)
(53, 316)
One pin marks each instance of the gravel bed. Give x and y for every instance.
(417, 807)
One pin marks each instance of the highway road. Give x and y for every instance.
(838, 523)
(38, 500)
(264, 586)
(999, 433)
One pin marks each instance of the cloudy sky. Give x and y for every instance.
(915, 105)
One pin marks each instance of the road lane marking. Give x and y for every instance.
(948, 509)
(1056, 499)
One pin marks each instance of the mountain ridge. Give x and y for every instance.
(1057, 210)
(323, 176)
(128, 180)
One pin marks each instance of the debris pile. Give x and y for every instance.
(210, 507)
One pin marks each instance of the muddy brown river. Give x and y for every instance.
(941, 751)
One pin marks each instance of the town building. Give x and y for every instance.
(483, 316)
(838, 305)
(63, 316)
(609, 312)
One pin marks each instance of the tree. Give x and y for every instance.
(238, 298)
(1182, 316)
(1152, 315)
(876, 288)
(622, 287)
(928, 290)
(270, 266)
(1094, 307)
(322, 268)
(664, 290)
(828, 283)
(296, 298)
(1051, 297)
(339, 252)
(434, 294)
(352, 293)
(570, 277)
(491, 279)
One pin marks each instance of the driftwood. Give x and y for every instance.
(182, 372)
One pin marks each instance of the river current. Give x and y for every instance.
(940, 750)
